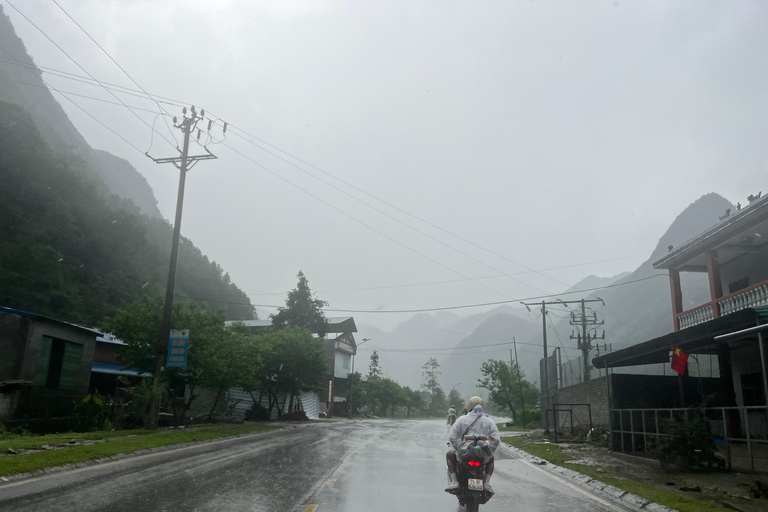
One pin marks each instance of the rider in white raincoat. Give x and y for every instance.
(474, 422)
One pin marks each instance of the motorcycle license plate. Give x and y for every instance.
(475, 484)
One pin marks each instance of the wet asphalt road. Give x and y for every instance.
(393, 466)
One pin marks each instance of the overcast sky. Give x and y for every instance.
(550, 133)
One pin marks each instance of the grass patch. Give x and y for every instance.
(513, 428)
(552, 453)
(25, 462)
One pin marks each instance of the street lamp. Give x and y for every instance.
(365, 340)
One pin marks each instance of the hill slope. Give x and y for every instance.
(21, 82)
(69, 252)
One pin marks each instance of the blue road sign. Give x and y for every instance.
(178, 344)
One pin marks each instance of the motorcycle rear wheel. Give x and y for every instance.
(473, 506)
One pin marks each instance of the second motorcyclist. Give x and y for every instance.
(452, 415)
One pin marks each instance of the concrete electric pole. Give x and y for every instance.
(588, 334)
(184, 162)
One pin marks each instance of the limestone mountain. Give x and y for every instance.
(21, 82)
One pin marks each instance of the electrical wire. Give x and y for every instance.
(558, 338)
(426, 310)
(392, 217)
(84, 70)
(81, 108)
(236, 128)
(355, 219)
(79, 95)
(173, 134)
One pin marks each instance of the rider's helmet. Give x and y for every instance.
(475, 400)
(453, 407)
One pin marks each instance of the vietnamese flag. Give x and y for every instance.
(679, 360)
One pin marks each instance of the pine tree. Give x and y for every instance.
(374, 370)
(302, 310)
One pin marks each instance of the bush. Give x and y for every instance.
(687, 445)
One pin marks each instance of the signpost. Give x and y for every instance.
(178, 345)
(426, 399)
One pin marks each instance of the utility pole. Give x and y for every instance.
(519, 380)
(544, 304)
(184, 162)
(585, 338)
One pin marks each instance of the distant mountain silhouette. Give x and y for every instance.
(637, 310)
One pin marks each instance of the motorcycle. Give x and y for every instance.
(472, 457)
(451, 419)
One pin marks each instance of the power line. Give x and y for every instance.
(559, 340)
(425, 310)
(85, 71)
(81, 95)
(464, 306)
(355, 219)
(78, 106)
(121, 69)
(369, 205)
(94, 83)
(387, 203)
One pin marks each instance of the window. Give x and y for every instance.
(345, 361)
(57, 364)
(738, 285)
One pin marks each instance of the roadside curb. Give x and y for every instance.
(601, 488)
(137, 453)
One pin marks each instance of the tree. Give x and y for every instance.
(431, 372)
(454, 398)
(355, 383)
(507, 387)
(214, 358)
(374, 370)
(381, 394)
(295, 360)
(302, 310)
(413, 400)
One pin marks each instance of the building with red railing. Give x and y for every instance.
(730, 331)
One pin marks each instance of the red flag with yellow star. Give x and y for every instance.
(679, 360)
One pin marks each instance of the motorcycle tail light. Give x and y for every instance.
(474, 463)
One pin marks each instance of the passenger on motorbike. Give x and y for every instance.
(475, 422)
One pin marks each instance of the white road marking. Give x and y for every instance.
(574, 487)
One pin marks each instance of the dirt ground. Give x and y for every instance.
(732, 489)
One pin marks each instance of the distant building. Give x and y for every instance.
(340, 347)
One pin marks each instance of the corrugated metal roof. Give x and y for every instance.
(116, 369)
(27, 314)
(339, 323)
(696, 339)
(731, 225)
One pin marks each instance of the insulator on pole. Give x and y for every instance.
(210, 123)
(202, 113)
(184, 110)
(225, 128)
(198, 134)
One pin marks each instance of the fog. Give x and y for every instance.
(550, 135)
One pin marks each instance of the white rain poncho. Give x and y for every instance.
(484, 426)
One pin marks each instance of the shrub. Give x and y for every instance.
(687, 445)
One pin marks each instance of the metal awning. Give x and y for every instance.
(699, 339)
(116, 369)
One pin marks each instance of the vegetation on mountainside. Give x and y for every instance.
(70, 252)
(21, 82)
